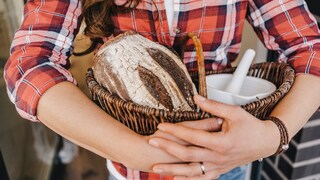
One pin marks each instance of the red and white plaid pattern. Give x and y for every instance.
(43, 44)
(40, 51)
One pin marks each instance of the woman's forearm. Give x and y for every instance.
(67, 111)
(299, 104)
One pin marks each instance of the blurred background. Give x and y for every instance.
(30, 151)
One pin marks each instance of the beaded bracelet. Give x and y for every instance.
(284, 136)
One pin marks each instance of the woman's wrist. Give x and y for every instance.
(283, 131)
(272, 138)
(144, 156)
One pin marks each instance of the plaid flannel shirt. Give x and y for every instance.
(44, 42)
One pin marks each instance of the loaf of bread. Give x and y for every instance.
(144, 72)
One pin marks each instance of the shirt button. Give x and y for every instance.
(177, 30)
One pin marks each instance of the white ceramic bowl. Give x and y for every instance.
(252, 89)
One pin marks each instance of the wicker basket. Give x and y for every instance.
(144, 120)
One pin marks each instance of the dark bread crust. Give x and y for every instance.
(176, 73)
(155, 87)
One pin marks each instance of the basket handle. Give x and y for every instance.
(201, 66)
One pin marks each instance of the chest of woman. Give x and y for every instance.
(218, 24)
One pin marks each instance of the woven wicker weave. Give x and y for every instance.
(144, 120)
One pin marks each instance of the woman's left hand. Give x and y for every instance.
(242, 139)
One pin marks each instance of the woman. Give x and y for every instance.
(44, 90)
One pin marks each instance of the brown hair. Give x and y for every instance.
(97, 16)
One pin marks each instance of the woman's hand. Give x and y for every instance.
(242, 139)
(209, 125)
(148, 155)
(154, 156)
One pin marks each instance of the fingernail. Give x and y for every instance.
(160, 127)
(158, 170)
(200, 98)
(154, 143)
(220, 121)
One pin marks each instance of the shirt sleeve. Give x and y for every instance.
(288, 27)
(40, 52)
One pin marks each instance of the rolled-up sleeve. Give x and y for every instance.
(40, 52)
(288, 27)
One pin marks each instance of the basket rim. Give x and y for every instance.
(97, 90)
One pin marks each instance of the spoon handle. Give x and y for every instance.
(234, 86)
